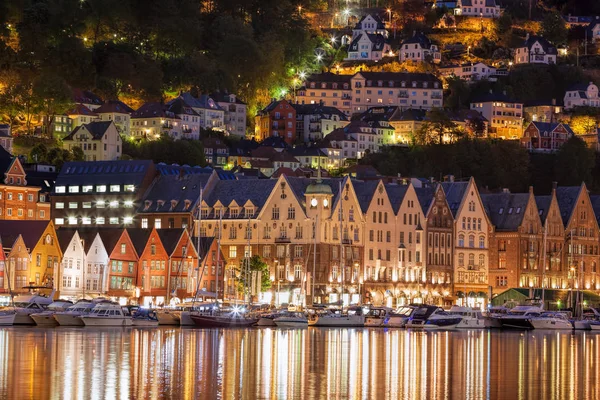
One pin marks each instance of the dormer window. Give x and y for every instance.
(425, 85)
(345, 86)
(323, 85)
(249, 212)
(173, 204)
(435, 85)
(391, 83)
(403, 84)
(234, 212)
(380, 83)
(147, 204)
(369, 83)
(312, 85)
(186, 204)
(159, 204)
(414, 84)
(334, 86)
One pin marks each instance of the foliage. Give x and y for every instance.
(574, 163)
(167, 150)
(55, 155)
(244, 274)
(554, 28)
(583, 124)
(438, 128)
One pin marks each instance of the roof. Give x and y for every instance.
(179, 107)
(396, 195)
(85, 97)
(274, 141)
(183, 190)
(170, 238)
(543, 205)
(204, 101)
(130, 172)
(361, 171)
(110, 237)
(31, 231)
(380, 24)
(224, 97)
(455, 192)
(283, 156)
(255, 190)
(152, 110)
(396, 78)
(307, 151)
(365, 191)
(425, 197)
(139, 238)
(64, 238)
(418, 38)
(377, 42)
(506, 210)
(593, 24)
(328, 79)
(114, 107)
(96, 128)
(551, 126)
(80, 109)
(203, 245)
(567, 200)
(491, 97)
(596, 206)
(6, 160)
(548, 47)
(579, 87)
(5, 130)
(214, 143)
(300, 185)
(488, 3)
(318, 109)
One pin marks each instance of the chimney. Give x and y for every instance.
(554, 185)
(449, 178)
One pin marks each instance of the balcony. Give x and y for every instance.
(187, 130)
(346, 241)
(283, 239)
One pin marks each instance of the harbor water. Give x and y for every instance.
(310, 363)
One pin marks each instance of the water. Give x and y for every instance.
(178, 363)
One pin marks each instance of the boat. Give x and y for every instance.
(223, 319)
(189, 309)
(588, 317)
(28, 304)
(7, 317)
(377, 316)
(352, 318)
(552, 320)
(46, 318)
(520, 317)
(107, 314)
(71, 316)
(399, 317)
(432, 317)
(145, 318)
(494, 314)
(169, 316)
(471, 318)
(595, 325)
(292, 320)
(267, 319)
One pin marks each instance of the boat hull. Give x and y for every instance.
(348, 322)
(396, 322)
(472, 323)
(168, 318)
(549, 324)
(7, 319)
(222, 322)
(582, 325)
(185, 319)
(265, 322)
(23, 319)
(44, 319)
(595, 326)
(144, 323)
(100, 321)
(291, 324)
(374, 322)
(516, 323)
(69, 319)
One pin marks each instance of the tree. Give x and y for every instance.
(244, 275)
(554, 28)
(583, 124)
(39, 153)
(574, 163)
(52, 97)
(438, 128)
(77, 154)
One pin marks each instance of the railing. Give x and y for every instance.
(283, 240)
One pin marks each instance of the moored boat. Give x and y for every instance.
(292, 320)
(223, 320)
(7, 317)
(352, 318)
(471, 318)
(144, 318)
(432, 317)
(399, 317)
(377, 316)
(71, 316)
(46, 318)
(520, 317)
(28, 304)
(552, 320)
(107, 314)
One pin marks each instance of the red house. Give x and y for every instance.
(183, 262)
(123, 265)
(545, 136)
(276, 119)
(153, 262)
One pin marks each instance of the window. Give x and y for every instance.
(267, 252)
(87, 188)
(123, 248)
(101, 188)
(86, 204)
(481, 242)
(114, 204)
(100, 221)
(275, 213)
(129, 188)
(86, 220)
(100, 204)
(59, 221)
(115, 188)
(114, 220)
(461, 260)
(461, 240)
(471, 240)
(60, 189)
(291, 212)
(232, 251)
(72, 205)
(59, 206)
(73, 189)
(298, 252)
(298, 272)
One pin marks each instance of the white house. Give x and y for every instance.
(211, 115)
(419, 48)
(582, 95)
(235, 112)
(99, 140)
(536, 50)
(369, 40)
(469, 71)
(478, 8)
(190, 120)
(593, 29)
(119, 113)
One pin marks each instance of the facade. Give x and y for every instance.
(543, 111)
(419, 48)
(123, 284)
(504, 115)
(536, 50)
(152, 120)
(469, 72)
(6, 139)
(80, 115)
(593, 29)
(216, 152)
(101, 193)
(235, 113)
(99, 140)
(117, 112)
(314, 121)
(182, 265)
(545, 136)
(369, 40)
(328, 89)
(415, 90)
(278, 119)
(211, 115)
(582, 95)
(18, 200)
(190, 119)
(478, 8)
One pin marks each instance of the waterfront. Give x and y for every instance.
(302, 363)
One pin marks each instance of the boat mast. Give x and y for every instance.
(247, 269)
(199, 275)
(544, 264)
(342, 244)
(316, 226)
(219, 252)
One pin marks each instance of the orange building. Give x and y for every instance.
(182, 265)
(153, 261)
(277, 119)
(17, 200)
(123, 265)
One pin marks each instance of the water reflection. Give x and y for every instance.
(304, 363)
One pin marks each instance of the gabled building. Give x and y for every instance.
(190, 119)
(545, 136)
(504, 115)
(582, 95)
(314, 121)
(211, 115)
(368, 47)
(338, 146)
(470, 72)
(536, 50)
(99, 140)
(152, 120)
(117, 112)
(328, 89)
(216, 151)
(593, 29)
(478, 8)
(235, 113)
(80, 115)
(100, 193)
(277, 119)
(183, 273)
(19, 200)
(419, 48)
(123, 268)
(310, 156)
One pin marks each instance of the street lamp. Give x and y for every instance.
(468, 51)
(333, 40)
(389, 11)
(299, 9)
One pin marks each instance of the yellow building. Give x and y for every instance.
(100, 141)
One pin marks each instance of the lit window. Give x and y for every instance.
(73, 205)
(73, 189)
(72, 220)
(59, 221)
(114, 204)
(128, 220)
(145, 223)
(59, 189)
(100, 204)
(59, 206)
(157, 223)
(86, 204)
(115, 188)
(113, 220)
(128, 204)
(87, 188)
(100, 221)
(129, 188)
(100, 188)
(86, 220)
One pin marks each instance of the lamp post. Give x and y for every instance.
(389, 11)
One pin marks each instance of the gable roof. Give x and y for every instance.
(110, 237)
(396, 195)
(491, 97)
(425, 197)
(80, 109)
(505, 210)
(318, 109)
(31, 231)
(455, 191)
(114, 107)
(97, 129)
(174, 187)
(255, 190)
(567, 200)
(85, 97)
(224, 97)
(64, 237)
(398, 77)
(469, 3)
(596, 206)
(6, 160)
(179, 107)
(380, 24)
(548, 47)
(170, 238)
(545, 128)
(152, 110)
(139, 238)
(365, 190)
(329, 79)
(418, 38)
(543, 204)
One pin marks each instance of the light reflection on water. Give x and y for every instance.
(69, 363)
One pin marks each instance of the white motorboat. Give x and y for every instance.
(520, 317)
(46, 318)
(351, 318)
(595, 325)
(471, 318)
(71, 316)
(28, 304)
(292, 320)
(432, 317)
(399, 317)
(377, 316)
(551, 320)
(145, 319)
(7, 317)
(108, 314)
(169, 316)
